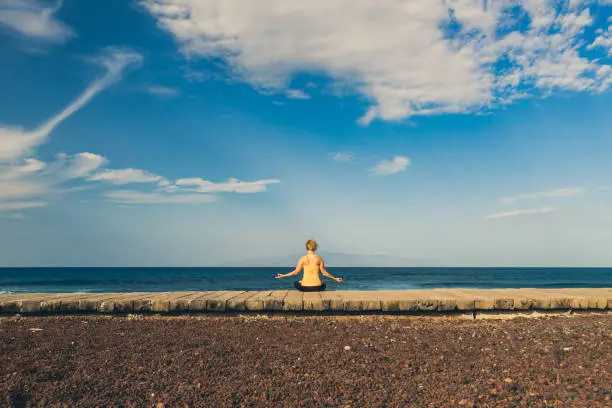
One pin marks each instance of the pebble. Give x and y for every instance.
(232, 363)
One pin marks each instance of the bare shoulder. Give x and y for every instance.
(319, 259)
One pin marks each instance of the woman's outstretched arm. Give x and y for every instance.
(297, 270)
(325, 273)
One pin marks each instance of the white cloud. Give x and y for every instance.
(175, 193)
(16, 180)
(232, 185)
(126, 176)
(34, 180)
(560, 192)
(516, 213)
(297, 94)
(35, 20)
(343, 156)
(16, 142)
(603, 40)
(24, 178)
(76, 166)
(31, 178)
(387, 167)
(29, 166)
(406, 58)
(159, 90)
(26, 182)
(23, 188)
(21, 205)
(137, 197)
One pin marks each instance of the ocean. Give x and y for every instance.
(20, 280)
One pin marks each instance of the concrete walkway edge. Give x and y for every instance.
(401, 301)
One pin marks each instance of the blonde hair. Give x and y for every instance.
(311, 245)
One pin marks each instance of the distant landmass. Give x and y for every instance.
(335, 259)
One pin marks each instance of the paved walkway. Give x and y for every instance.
(332, 301)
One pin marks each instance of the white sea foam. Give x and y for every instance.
(12, 291)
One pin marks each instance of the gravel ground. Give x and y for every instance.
(252, 361)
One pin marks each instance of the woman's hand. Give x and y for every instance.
(339, 280)
(279, 276)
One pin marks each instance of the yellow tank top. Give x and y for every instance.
(311, 272)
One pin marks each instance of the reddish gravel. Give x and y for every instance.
(303, 361)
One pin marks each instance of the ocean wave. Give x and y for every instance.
(66, 282)
(13, 291)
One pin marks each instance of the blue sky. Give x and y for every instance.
(200, 132)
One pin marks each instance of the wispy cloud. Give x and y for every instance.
(160, 90)
(297, 94)
(343, 156)
(560, 192)
(16, 142)
(182, 191)
(70, 167)
(137, 197)
(518, 213)
(231, 186)
(27, 178)
(387, 167)
(27, 182)
(21, 205)
(603, 41)
(34, 20)
(127, 176)
(31, 179)
(414, 58)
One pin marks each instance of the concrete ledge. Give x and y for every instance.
(408, 301)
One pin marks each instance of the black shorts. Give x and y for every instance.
(301, 288)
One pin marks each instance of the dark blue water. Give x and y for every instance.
(15, 280)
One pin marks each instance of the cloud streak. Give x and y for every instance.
(520, 213)
(33, 179)
(137, 197)
(16, 142)
(231, 186)
(127, 176)
(21, 205)
(26, 182)
(560, 192)
(25, 178)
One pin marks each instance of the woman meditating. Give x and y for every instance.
(311, 264)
